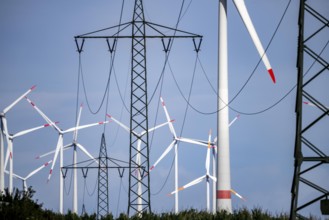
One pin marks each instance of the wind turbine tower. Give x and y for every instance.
(223, 193)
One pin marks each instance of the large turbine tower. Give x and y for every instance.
(223, 193)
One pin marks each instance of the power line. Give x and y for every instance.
(244, 85)
(80, 72)
(161, 78)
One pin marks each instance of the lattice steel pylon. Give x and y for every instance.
(103, 188)
(310, 154)
(139, 179)
(139, 200)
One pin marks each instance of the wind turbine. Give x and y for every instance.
(172, 145)
(59, 147)
(203, 142)
(224, 185)
(214, 156)
(10, 151)
(138, 160)
(206, 177)
(74, 144)
(168, 149)
(4, 131)
(211, 145)
(24, 179)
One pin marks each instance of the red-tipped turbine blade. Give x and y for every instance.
(19, 99)
(242, 9)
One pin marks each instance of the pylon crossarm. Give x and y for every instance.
(176, 33)
(316, 159)
(89, 34)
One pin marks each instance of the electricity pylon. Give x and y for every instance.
(139, 179)
(309, 155)
(103, 188)
(102, 164)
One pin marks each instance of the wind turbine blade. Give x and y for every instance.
(58, 147)
(192, 141)
(231, 123)
(14, 175)
(17, 176)
(84, 126)
(84, 150)
(37, 170)
(19, 99)
(309, 103)
(53, 124)
(45, 154)
(208, 154)
(213, 178)
(122, 125)
(242, 9)
(9, 142)
(234, 120)
(238, 195)
(53, 151)
(214, 153)
(29, 130)
(163, 154)
(171, 127)
(25, 185)
(156, 127)
(8, 153)
(192, 183)
(215, 140)
(75, 134)
(119, 123)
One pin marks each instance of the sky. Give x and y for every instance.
(38, 48)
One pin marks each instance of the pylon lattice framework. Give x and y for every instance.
(309, 155)
(103, 188)
(139, 182)
(102, 164)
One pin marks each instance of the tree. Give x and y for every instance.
(19, 205)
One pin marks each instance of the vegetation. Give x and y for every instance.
(20, 205)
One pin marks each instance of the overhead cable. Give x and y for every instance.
(243, 86)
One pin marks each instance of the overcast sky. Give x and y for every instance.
(37, 48)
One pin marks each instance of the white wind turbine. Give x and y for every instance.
(223, 192)
(10, 151)
(24, 179)
(74, 144)
(206, 177)
(211, 145)
(168, 149)
(214, 160)
(138, 159)
(174, 145)
(59, 147)
(4, 131)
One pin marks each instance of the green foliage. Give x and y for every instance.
(20, 205)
